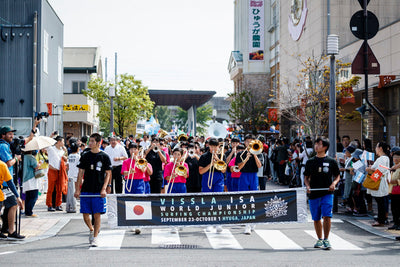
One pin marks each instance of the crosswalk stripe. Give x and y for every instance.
(109, 240)
(278, 240)
(164, 237)
(222, 240)
(337, 242)
(333, 220)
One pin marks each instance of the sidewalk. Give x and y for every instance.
(48, 224)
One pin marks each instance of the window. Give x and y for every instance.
(78, 87)
(23, 125)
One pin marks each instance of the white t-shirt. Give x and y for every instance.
(145, 144)
(383, 186)
(116, 152)
(73, 160)
(54, 155)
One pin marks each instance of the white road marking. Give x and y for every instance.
(110, 240)
(164, 237)
(222, 240)
(278, 240)
(337, 242)
(7, 252)
(309, 219)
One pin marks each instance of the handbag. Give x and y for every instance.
(39, 173)
(370, 183)
(396, 190)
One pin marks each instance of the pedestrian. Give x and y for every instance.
(73, 160)
(382, 151)
(57, 156)
(30, 184)
(117, 154)
(95, 165)
(321, 177)
(43, 161)
(394, 190)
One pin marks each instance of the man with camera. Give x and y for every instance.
(12, 199)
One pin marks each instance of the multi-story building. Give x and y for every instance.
(79, 111)
(31, 59)
(299, 28)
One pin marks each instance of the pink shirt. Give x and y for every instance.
(146, 175)
(234, 174)
(178, 179)
(125, 167)
(165, 149)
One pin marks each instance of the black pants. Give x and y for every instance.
(116, 180)
(381, 209)
(155, 185)
(261, 182)
(395, 205)
(281, 174)
(30, 200)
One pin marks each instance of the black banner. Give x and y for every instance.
(203, 209)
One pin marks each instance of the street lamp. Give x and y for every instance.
(332, 49)
(111, 93)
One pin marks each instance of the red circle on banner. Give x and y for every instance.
(138, 210)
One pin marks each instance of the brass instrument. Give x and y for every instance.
(220, 164)
(255, 147)
(141, 163)
(162, 133)
(180, 169)
(156, 149)
(236, 168)
(182, 138)
(191, 153)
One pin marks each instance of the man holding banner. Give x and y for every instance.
(96, 166)
(321, 177)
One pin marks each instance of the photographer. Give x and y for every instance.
(12, 198)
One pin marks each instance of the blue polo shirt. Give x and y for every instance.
(5, 155)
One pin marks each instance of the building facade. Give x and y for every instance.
(31, 59)
(79, 111)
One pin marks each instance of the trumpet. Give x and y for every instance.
(236, 168)
(191, 153)
(156, 149)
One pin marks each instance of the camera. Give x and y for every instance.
(16, 145)
(41, 115)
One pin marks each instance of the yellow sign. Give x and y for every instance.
(68, 107)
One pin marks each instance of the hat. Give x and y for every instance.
(357, 153)
(6, 129)
(395, 149)
(350, 149)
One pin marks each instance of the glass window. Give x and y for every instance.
(75, 87)
(82, 86)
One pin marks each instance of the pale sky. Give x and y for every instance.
(168, 44)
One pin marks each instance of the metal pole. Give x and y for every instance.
(332, 109)
(365, 44)
(34, 80)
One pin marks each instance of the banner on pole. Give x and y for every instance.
(198, 209)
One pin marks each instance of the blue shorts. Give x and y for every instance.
(248, 181)
(147, 187)
(321, 207)
(217, 183)
(176, 187)
(134, 186)
(92, 205)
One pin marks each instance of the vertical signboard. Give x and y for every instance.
(256, 29)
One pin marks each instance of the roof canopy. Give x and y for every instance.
(183, 98)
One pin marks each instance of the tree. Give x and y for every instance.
(307, 101)
(164, 117)
(248, 109)
(131, 101)
(203, 114)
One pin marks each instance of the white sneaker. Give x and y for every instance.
(174, 230)
(95, 242)
(91, 237)
(137, 231)
(209, 228)
(253, 227)
(247, 229)
(219, 228)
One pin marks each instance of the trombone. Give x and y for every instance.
(129, 172)
(177, 170)
(220, 165)
(255, 147)
(141, 163)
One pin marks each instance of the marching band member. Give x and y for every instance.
(229, 156)
(155, 159)
(146, 179)
(248, 163)
(176, 182)
(134, 176)
(235, 171)
(212, 179)
(193, 183)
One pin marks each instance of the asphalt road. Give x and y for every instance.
(269, 245)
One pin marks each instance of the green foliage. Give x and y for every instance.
(203, 114)
(164, 117)
(131, 102)
(248, 109)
